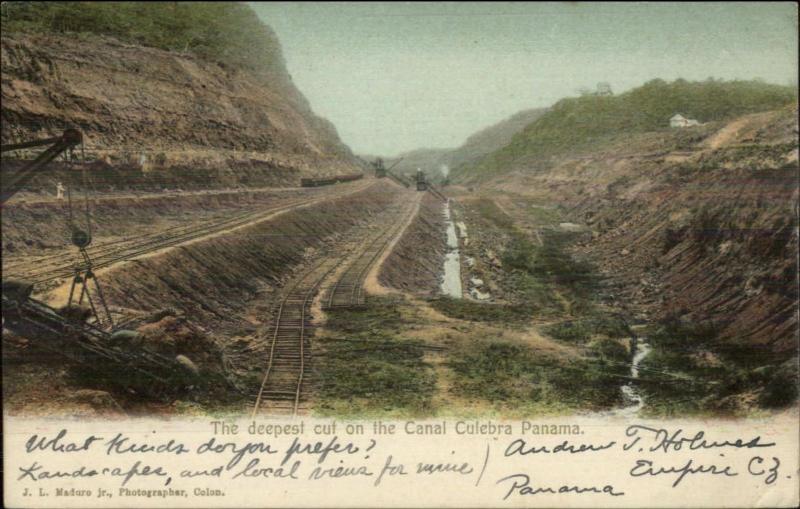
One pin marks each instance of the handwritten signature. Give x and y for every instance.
(666, 440)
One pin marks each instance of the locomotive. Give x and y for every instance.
(422, 182)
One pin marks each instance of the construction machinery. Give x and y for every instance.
(380, 169)
(422, 181)
(16, 180)
(83, 331)
(424, 185)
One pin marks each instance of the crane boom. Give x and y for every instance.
(17, 180)
(395, 164)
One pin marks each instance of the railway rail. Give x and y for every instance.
(348, 291)
(62, 265)
(290, 346)
(284, 384)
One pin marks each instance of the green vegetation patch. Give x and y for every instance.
(690, 371)
(542, 279)
(582, 330)
(550, 261)
(514, 375)
(368, 368)
(543, 215)
(380, 314)
(580, 123)
(226, 32)
(489, 211)
(538, 271)
(465, 309)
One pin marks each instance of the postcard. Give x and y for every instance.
(377, 254)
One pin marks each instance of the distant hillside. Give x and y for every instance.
(581, 122)
(429, 159)
(475, 147)
(493, 137)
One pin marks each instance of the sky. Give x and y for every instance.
(399, 76)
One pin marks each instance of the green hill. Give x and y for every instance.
(492, 138)
(225, 32)
(483, 142)
(580, 122)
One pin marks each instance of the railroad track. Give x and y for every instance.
(283, 386)
(52, 267)
(348, 290)
(284, 380)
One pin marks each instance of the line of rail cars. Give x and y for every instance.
(327, 181)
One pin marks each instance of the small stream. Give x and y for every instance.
(642, 349)
(451, 284)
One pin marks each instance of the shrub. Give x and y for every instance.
(505, 373)
(464, 309)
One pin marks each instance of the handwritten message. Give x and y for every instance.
(421, 463)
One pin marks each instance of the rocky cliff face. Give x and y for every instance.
(164, 111)
(699, 223)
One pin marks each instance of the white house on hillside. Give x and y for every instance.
(679, 120)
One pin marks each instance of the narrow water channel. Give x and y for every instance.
(631, 392)
(451, 284)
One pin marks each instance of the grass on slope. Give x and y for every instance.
(690, 371)
(227, 32)
(369, 367)
(545, 279)
(582, 122)
(507, 374)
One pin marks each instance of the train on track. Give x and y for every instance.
(327, 181)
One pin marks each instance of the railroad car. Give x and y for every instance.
(349, 178)
(327, 181)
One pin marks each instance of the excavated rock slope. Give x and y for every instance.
(162, 111)
(699, 224)
(212, 279)
(404, 268)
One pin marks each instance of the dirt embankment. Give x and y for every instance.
(415, 263)
(206, 300)
(41, 227)
(707, 233)
(160, 114)
(213, 280)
